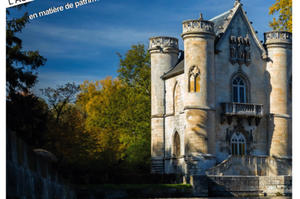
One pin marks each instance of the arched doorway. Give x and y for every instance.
(238, 144)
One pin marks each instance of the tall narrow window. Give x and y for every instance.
(238, 144)
(197, 83)
(176, 145)
(194, 79)
(239, 90)
(178, 106)
(191, 84)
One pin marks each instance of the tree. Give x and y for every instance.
(61, 96)
(118, 114)
(68, 139)
(134, 71)
(284, 21)
(26, 113)
(66, 135)
(21, 66)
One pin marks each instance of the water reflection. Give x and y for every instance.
(275, 197)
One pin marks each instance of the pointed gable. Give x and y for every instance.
(234, 20)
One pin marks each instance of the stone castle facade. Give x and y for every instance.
(225, 98)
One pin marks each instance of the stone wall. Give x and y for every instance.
(249, 185)
(29, 176)
(258, 84)
(241, 186)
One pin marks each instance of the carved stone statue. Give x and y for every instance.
(241, 53)
(247, 51)
(240, 50)
(233, 50)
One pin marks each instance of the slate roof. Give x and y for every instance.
(177, 70)
(219, 21)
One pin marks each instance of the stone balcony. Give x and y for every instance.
(240, 111)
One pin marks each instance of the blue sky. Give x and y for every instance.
(82, 43)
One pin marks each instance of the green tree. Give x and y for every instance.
(103, 102)
(285, 17)
(118, 114)
(135, 73)
(21, 66)
(26, 113)
(134, 69)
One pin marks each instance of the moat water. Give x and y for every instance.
(275, 197)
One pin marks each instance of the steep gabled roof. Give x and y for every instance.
(222, 23)
(219, 21)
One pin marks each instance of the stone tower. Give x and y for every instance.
(279, 67)
(164, 55)
(199, 103)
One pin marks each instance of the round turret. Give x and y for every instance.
(164, 55)
(279, 67)
(196, 28)
(199, 92)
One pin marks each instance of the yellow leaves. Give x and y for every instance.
(101, 101)
(285, 18)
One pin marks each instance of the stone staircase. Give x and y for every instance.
(157, 166)
(252, 166)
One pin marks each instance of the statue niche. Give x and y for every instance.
(240, 50)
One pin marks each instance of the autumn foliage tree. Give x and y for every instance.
(118, 114)
(285, 17)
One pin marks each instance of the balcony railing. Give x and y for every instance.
(242, 109)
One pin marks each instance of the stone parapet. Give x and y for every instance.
(163, 44)
(278, 37)
(198, 26)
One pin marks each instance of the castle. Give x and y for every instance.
(223, 105)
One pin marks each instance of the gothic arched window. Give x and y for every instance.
(239, 89)
(194, 79)
(177, 99)
(176, 145)
(238, 144)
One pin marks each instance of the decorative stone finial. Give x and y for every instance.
(237, 2)
(201, 17)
